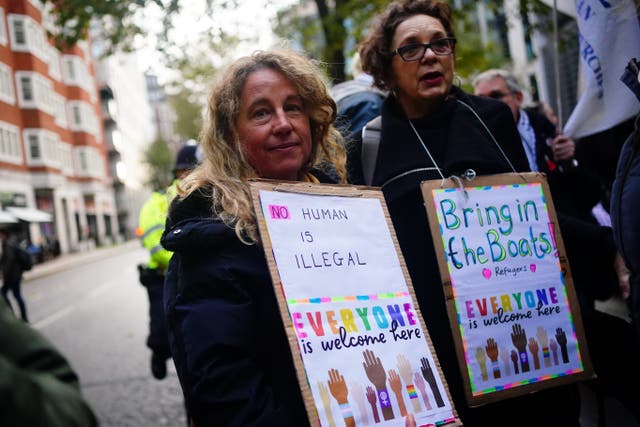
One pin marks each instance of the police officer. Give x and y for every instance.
(151, 226)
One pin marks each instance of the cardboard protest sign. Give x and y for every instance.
(510, 296)
(359, 342)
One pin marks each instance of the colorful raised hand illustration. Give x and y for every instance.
(492, 352)
(376, 374)
(519, 339)
(396, 386)
(359, 396)
(326, 403)
(543, 339)
(406, 373)
(372, 398)
(561, 338)
(340, 392)
(514, 359)
(481, 357)
(428, 374)
(505, 356)
(420, 384)
(533, 348)
(554, 351)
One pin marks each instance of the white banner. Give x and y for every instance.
(609, 38)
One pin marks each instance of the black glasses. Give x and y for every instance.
(496, 94)
(415, 51)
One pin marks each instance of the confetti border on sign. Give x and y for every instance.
(372, 297)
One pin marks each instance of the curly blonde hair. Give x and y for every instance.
(225, 168)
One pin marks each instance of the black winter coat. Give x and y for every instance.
(625, 205)
(225, 331)
(458, 141)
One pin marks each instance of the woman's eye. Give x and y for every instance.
(293, 107)
(258, 114)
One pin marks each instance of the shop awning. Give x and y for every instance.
(7, 218)
(29, 214)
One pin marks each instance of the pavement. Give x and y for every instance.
(66, 261)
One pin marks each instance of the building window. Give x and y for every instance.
(71, 69)
(43, 147)
(9, 144)
(3, 28)
(26, 88)
(19, 37)
(34, 147)
(77, 117)
(82, 159)
(6, 85)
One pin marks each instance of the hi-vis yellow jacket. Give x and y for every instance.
(151, 226)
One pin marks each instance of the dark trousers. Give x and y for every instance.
(14, 286)
(158, 339)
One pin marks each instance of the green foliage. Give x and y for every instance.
(188, 107)
(73, 18)
(331, 34)
(472, 56)
(344, 23)
(159, 159)
(196, 65)
(120, 20)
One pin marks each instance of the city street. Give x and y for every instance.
(95, 311)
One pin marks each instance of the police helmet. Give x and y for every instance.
(187, 158)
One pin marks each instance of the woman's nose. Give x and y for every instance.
(282, 122)
(429, 55)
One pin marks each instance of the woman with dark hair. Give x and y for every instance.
(431, 129)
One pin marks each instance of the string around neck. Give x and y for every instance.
(426, 149)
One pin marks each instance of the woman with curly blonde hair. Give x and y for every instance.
(226, 166)
(270, 115)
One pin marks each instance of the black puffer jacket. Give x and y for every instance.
(227, 338)
(625, 205)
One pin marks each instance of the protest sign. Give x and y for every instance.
(360, 346)
(510, 296)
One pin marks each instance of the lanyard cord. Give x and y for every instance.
(426, 149)
(490, 134)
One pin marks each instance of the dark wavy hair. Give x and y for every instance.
(375, 50)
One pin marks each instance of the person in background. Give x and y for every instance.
(596, 273)
(431, 129)
(12, 270)
(625, 201)
(270, 115)
(358, 100)
(575, 190)
(151, 226)
(37, 385)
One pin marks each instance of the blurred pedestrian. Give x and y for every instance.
(37, 385)
(151, 226)
(625, 201)
(431, 129)
(269, 115)
(358, 101)
(13, 263)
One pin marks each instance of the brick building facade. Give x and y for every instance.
(53, 157)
